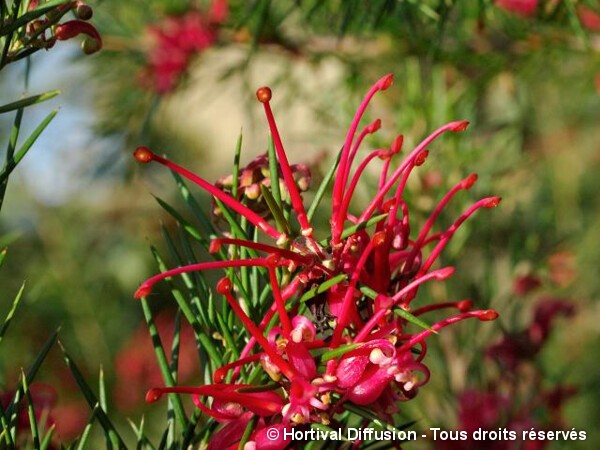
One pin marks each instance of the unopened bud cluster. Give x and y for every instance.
(43, 31)
(255, 177)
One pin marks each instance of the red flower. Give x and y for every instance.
(368, 352)
(135, 364)
(514, 348)
(176, 40)
(589, 18)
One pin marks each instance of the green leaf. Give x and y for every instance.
(184, 223)
(236, 167)
(275, 208)
(12, 311)
(28, 101)
(113, 438)
(86, 431)
(3, 253)
(248, 432)
(323, 188)
(6, 431)
(13, 161)
(163, 364)
(35, 435)
(201, 337)
(274, 174)
(401, 312)
(337, 352)
(323, 287)
(11, 411)
(47, 441)
(194, 206)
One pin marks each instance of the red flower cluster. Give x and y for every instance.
(516, 401)
(482, 412)
(176, 40)
(365, 352)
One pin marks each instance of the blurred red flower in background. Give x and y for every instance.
(525, 8)
(176, 40)
(135, 365)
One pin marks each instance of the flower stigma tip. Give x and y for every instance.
(263, 94)
(153, 395)
(397, 144)
(143, 155)
(224, 286)
(445, 273)
(142, 291)
(461, 126)
(421, 158)
(493, 202)
(385, 82)
(469, 181)
(464, 305)
(376, 125)
(488, 315)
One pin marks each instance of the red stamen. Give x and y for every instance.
(224, 288)
(452, 126)
(262, 403)
(440, 274)
(146, 287)
(215, 246)
(467, 183)
(369, 129)
(483, 315)
(359, 171)
(489, 202)
(143, 154)
(462, 306)
(219, 374)
(283, 316)
(343, 318)
(339, 186)
(395, 148)
(264, 96)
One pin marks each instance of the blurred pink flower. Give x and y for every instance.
(175, 42)
(525, 8)
(514, 348)
(589, 18)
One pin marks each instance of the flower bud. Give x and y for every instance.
(83, 11)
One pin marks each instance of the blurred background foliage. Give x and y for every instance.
(79, 217)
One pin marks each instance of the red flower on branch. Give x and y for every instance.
(364, 350)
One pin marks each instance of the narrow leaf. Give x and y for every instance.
(28, 101)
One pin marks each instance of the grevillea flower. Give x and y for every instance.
(176, 40)
(493, 411)
(524, 345)
(589, 18)
(359, 346)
